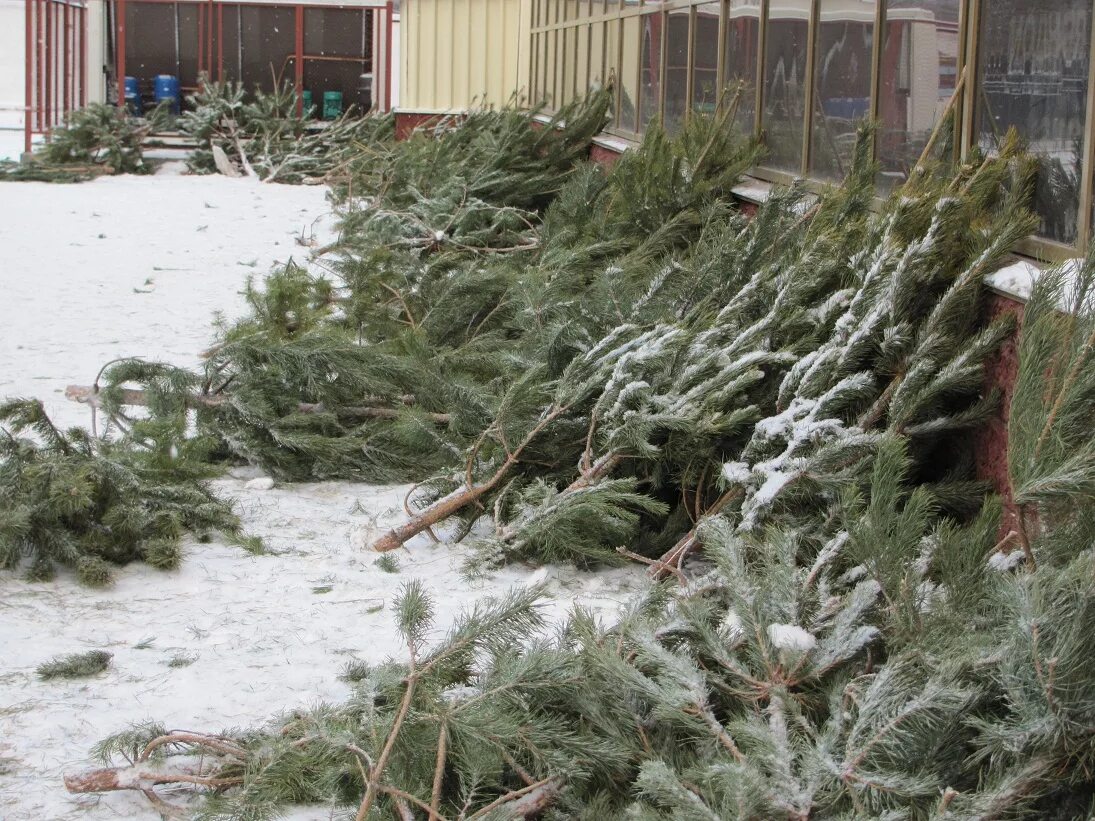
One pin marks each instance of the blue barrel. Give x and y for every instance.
(166, 87)
(132, 95)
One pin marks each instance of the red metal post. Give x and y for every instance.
(220, 43)
(214, 41)
(389, 27)
(39, 65)
(298, 80)
(49, 65)
(66, 80)
(28, 21)
(83, 56)
(201, 38)
(119, 48)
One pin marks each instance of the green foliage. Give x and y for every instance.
(262, 134)
(72, 500)
(75, 665)
(599, 359)
(388, 563)
(97, 139)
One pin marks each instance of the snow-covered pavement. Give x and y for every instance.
(138, 266)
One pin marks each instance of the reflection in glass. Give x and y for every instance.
(612, 59)
(918, 75)
(629, 73)
(842, 97)
(551, 70)
(1032, 74)
(742, 45)
(597, 55)
(676, 69)
(650, 85)
(705, 60)
(785, 83)
(581, 79)
(567, 59)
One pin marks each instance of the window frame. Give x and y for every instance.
(551, 26)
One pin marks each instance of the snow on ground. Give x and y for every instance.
(134, 265)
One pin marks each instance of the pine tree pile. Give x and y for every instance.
(95, 140)
(263, 135)
(774, 414)
(596, 358)
(878, 658)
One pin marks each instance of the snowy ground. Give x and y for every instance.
(130, 265)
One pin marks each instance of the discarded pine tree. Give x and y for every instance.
(874, 658)
(89, 503)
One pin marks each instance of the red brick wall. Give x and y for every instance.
(603, 156)
(407, 121)
(992, 438)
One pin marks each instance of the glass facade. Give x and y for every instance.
(803, 76)
(1033, 70)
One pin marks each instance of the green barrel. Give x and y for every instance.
(332, 104)
(306, 103)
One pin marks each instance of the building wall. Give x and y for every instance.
(12, 60)
(459, 54)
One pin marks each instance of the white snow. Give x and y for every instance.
(132, 265)
(1006, 561)
(791, 637)
(736, 473)
(1015, 280)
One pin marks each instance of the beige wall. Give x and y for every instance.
(457, 54)
(12, 57)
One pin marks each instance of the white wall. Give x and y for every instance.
(13, 58)
(12, 61)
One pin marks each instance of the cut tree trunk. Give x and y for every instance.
(437, 512)
(461, 497)
(141, 777)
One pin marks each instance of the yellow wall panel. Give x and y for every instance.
(457, 54)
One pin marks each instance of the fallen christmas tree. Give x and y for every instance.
(89, 503)
(877, 657)
(598, 358)
(95, 140)
(601, 359)
(263, 134)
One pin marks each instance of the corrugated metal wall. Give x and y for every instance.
(458, 54)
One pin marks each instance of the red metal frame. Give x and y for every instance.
(55, 65)
(56, 74)
(211, 37)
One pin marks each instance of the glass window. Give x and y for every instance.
(597, 73)
(267, 40)
(581, 80)
(551, 66)
(845, 41)
(1033, 74)
(785, 83)
(568, 59)
(151, 48)
(612, 58)
(651, 78)
(705, 59)
(676, 68)
(344, 37)
(631, 32)
(742, 46)
(917, 79)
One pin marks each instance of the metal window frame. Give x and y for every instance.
(616, 12)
